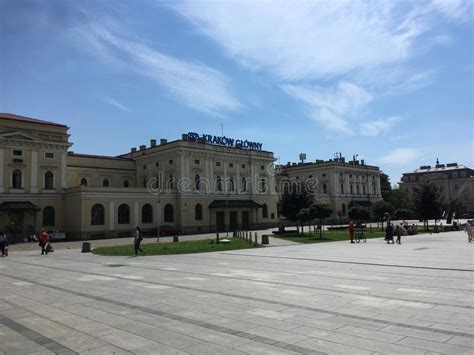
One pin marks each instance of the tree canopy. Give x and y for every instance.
(360, 213)
(427, 201)
(379, 209)
(295, 198)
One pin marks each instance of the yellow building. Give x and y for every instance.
(335, 182)
(196, 184)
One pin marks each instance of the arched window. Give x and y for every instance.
(197, 182)
(48, 180)
(83, 182)
(48, 216)
(105, 183)
(126, 183)
(147, 213)
(263, 185)
(264, 211)
(198, 212)
(358, 189)
(363, 189)
(343, 209)
(124, 214)
(342, 188)
(231, 184)
(97, 215)
(352, 189)
(325, 189)
(169, 213)
(219, 183)
(244, 184)
(17, 179)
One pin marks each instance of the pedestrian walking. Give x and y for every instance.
(351, 230)
(398, 231)
(4, 244)
(44, 241)
(137, 239)
(389, 233)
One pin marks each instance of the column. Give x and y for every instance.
(225, 178)
(63, 170)
(34, 172)
(158, 214)
(211, 176)
(271, 182)
(253, 170)
(111, 216)
(237, 178)
(2, 173)
(136, 213)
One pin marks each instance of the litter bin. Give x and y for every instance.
(175, 239)
(86, 247)
(265, 239)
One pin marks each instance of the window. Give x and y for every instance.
(324, 175)
(358, 190)
(105, 183)
(147, 213)
(198, 212)
(17, 179)
(231, 184)
(244, 184)
(325, 189)
(310, 176)
(264, 211)
(126, 183)
(48, 216)
(375, 189)
(170, 161)
(144, 167)
(169, 213)
(350, 175)
(97, 215)
(272, 216)
(157, 165)
(144, 182)
(219, 183)
(231, 165)
(218, 163)
(343, 209)
(352, 189)
(83, 182)
(196, 161)
(197, 182)
(363, 189)
(455, 187)
(48, 180)
(49, 155)
(243, 166)
(123, 214)
(170, 182)
(262, 167)
(263, 185)
(17, 153)
(342, 188)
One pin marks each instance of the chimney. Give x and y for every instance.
(133, 150)
(143, 147)
(184, 137)
(152, 142)
(163, 141)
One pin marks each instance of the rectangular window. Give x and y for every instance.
(243, 166)
(262, 167)
(17, 153)
(324, 175)
(231, 165)
(144, 167)
(49, 155)
(218, 163)
(196, 161)
(157, 164)
(170, 161)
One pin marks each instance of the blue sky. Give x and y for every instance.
(390, 81)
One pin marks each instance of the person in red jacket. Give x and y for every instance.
(351, 230)
(44, 239)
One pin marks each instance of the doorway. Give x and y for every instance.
(245, 220)
(220, 221)
(233, 220)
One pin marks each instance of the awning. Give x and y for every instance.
(234, 204)
(19, 206)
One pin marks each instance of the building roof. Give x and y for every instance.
(72, 154)
(439, 168)
(10, 116)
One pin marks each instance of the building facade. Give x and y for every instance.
(335, 182)
(195, 184)
(455, 182)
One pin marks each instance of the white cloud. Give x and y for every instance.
(401, 156)
(195, 85)
(115, 103)
(315, 39)
(378, 127)
(331, 107)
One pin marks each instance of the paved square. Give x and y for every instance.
(416, 298)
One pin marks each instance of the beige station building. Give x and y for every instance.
(455, 182)
(336, 182)
(198, 183)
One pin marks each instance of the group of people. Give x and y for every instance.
(390, 232)
(4, 244)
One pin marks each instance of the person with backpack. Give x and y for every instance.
(137, 239)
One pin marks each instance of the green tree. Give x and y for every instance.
(379, 209)
(360, 213)
(320, 212)
(427, 202)
(385, 187)
(295, 197)
(403, 213)
(398, 198)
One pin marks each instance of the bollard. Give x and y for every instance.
(256, 238)
(217, 238)
(86, 247)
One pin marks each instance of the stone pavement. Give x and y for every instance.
(372, 298)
